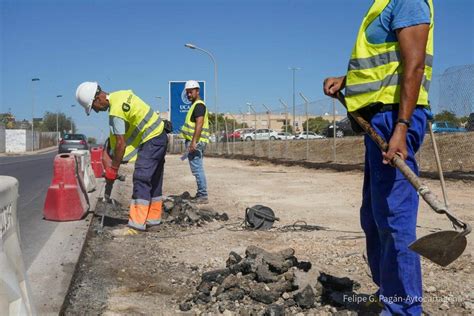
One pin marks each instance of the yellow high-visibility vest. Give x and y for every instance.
(187, 130)
(375, 70)
(143, 122)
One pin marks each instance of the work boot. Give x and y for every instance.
(124, 232)
(200, 200)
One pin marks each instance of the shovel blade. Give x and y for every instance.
(441, 247)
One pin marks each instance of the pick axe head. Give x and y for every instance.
(441, 247)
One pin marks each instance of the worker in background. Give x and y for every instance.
(136, 131)
(387, 81)
(196, 133)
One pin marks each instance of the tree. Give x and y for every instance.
(288, 128)
(64, 123)
(222, 123)
(447, 116)
(464, 119)
(91, 140)
(8, 119)
(316, 124)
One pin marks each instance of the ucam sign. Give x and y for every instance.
(179, 104)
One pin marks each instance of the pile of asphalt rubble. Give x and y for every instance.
(178, 209)
(265, 283)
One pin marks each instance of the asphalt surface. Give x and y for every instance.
(34, 173)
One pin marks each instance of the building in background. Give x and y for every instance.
(276, 121)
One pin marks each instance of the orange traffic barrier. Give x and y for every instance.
(96, 161)
(66, 199)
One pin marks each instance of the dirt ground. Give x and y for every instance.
(152, 273)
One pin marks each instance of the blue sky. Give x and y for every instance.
(139, 45)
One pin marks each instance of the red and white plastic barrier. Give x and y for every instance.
(96, 161)
(14, 289)
(85, 169)
(66, 199)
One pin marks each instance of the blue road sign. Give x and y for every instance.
(179, 103)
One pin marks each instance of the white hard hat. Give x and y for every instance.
(85, 94)
(191, 84)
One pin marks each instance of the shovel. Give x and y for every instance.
(441, 247)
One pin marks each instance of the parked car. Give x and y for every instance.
(244, 131)
(284, 136)
(343, 128)
(261, 134)
(447, 127)
(307, 135)
(72, 142)
(470, 122)
(236, 135)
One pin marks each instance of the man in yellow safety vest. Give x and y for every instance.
(196, 133)
(136, 131)
(387, 81)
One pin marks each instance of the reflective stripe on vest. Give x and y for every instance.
(375, 70)
(382, 59)
(392, 80)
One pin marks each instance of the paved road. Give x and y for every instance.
(50, 249)
(34, 174)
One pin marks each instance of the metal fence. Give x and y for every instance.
(452, 102)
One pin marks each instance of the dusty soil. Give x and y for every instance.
(152, 273)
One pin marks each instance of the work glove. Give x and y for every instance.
(111, 173)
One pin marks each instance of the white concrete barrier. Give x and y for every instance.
(14, 289)
(86, 169)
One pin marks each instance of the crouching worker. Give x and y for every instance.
(136, 134)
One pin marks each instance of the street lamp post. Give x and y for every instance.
(57, 116)
(33, 80)
(192, 46)
(269, 113)
(255, 126)
(286, 126)
(294, 69)
(241, 134)
(158, 103)
(307, 129)
(72, 131)
(233, 132)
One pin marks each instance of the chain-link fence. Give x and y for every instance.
(281, 129)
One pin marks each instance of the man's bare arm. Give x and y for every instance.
(413, 52)
(412, 41)
(119, 151)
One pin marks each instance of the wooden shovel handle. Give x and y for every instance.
(427, 195)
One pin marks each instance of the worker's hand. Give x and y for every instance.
(333, 85)
(111, 174)
(192, 147)
(397, 144)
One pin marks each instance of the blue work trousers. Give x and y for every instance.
(388, 218)
(148, 174)
(196, 163)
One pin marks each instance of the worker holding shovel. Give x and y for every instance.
(387, 82)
